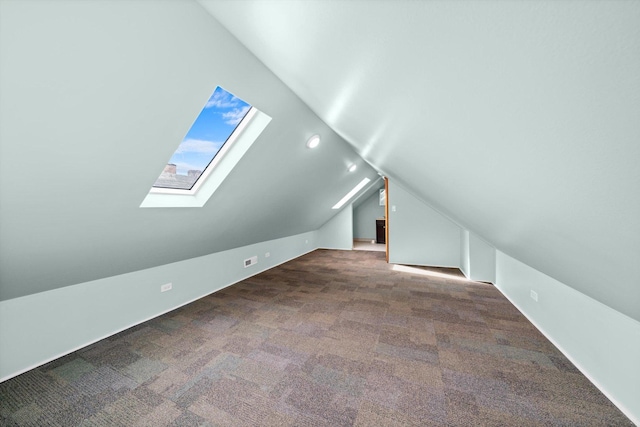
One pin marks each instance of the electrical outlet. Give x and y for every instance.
(250, 261)
(306, 241)
(534, 295)
(393, 208)
(166, 287)
(267, 255)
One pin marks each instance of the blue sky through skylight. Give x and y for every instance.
(216, 122)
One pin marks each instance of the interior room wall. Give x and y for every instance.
(365, 215)
(338, 231)
(96, 96)
(482, 260)
(602, 342)
(464, 253)
(418, 234)
(477, 258)
(37, 328)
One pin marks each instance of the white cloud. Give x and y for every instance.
(222, 99)
(234, 116)
(199, 146)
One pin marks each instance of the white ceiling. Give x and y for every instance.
(520, 120)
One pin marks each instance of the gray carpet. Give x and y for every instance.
(333, 338)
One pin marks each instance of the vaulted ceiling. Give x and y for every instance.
(520, 120)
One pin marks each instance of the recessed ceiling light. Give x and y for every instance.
(352, 168)
(313, 141)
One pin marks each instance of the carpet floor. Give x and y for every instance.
(333, 338)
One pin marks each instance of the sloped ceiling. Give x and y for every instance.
(95, 97)
(520, 120)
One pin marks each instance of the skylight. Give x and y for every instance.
(207, 139)
(220, 136)
(351, 193)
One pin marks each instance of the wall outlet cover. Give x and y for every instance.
(250, 261)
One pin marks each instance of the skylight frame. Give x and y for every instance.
(351, 193)
(237, 144)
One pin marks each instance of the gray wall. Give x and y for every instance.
(96, 96)
(477, 258)
(464, 253)
(41, 327)
(337, 232)
(365, 215)
(418, 234)
(603, 343)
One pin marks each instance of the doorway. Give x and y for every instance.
(370, 231)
